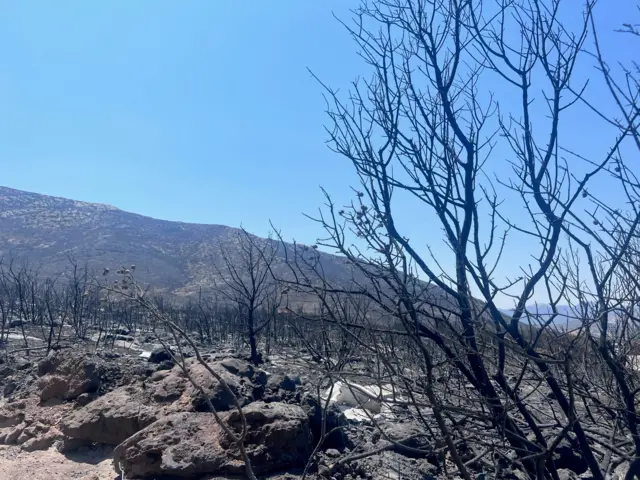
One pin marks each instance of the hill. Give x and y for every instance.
(173, 257)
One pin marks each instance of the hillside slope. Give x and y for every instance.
(174, 257)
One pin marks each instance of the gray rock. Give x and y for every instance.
(283, 382)
(10, 386)
(159, 355)
(165, 365)
(400, 432)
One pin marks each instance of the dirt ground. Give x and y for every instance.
(52, 465)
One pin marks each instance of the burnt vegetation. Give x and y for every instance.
(467, 108)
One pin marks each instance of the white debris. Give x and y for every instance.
(370, 397)
(146, 355)
(355, 414)
(17, 336)
(362, 415)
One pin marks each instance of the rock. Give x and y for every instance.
(260, 378)
(10, 386)
(167, 386)
(165, 365)
(16, 323)
(220, 397)
(66, 376)
(14, 434)
(188, 445)
(42, 442)
(278, 435)
(23, 437)
(237, 367)
(159, 355)
(283, 382)
(120, 338)
(402, 431)
(564, 474)
(244, 369)
(332, 453)
(68, 444)
(9, 418)
(84, 399)
(22, 364)
(110, 419)
(333, 418)
(110, 355)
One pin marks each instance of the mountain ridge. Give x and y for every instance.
(171, 256)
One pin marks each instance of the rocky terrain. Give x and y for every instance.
(92, 413)
(118, 413)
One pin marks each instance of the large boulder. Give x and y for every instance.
(110, 419)
(188, 445)
(10, 418)
(173, 386)
(278, 435)
(66, 376)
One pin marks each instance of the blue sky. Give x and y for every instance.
(199, 111)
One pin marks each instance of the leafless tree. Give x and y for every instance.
(246, 283)
(7, 302)
(79, 283)
(463, 115)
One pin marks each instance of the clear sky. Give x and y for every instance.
(198, 111)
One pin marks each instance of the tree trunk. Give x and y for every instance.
(255, 357)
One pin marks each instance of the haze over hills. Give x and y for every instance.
(171, 256)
